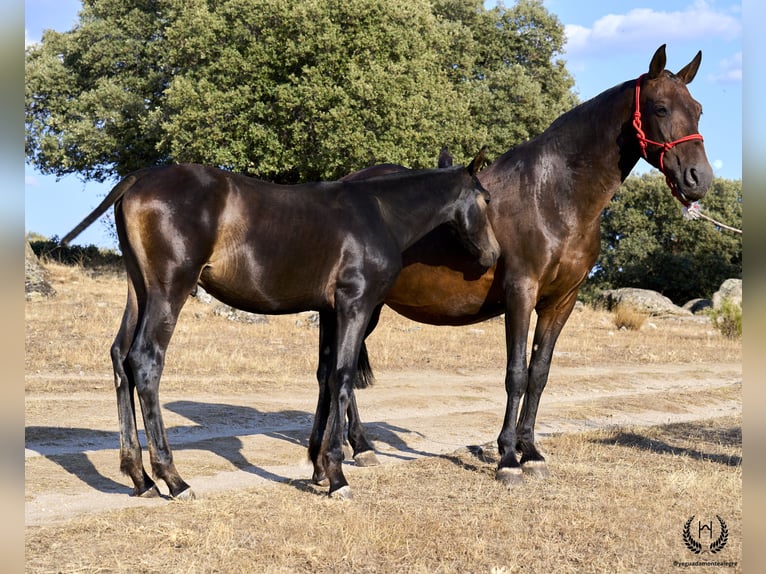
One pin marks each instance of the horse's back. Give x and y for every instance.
(253, 244)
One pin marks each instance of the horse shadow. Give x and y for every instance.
(55, 445)
(683, 432)
(217, 428)
(381, 432)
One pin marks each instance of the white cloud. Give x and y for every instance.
(30, 180)
(644, 26)
(729, 70)
(717, 165)
(29, 41)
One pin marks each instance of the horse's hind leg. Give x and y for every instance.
(130, 449)
(146, 360)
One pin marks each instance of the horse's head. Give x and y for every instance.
(666, 119)
(470, 217)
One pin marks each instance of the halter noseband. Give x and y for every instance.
(643, 141)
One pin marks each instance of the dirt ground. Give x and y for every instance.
(238, 400)
(234, 440)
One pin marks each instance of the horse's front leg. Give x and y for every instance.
(364, 454)
(352, 319)
(550, 322)
(331, 451)
(518, 311)
(325, 366)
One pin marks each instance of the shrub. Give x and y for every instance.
(83, 256)
(628, 317)
(727, 318)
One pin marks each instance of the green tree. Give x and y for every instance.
(92, 93)
(646, 243)
(290, 90)
(514, 82)
(324, 87)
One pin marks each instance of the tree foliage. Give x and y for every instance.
(646, 243)
(290, 90)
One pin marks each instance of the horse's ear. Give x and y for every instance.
(445, 158)
(658, 62)
(477, 162)
(688, 72)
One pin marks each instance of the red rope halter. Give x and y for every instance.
(643, 141)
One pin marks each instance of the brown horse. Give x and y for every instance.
(547, 198)
(334, 247)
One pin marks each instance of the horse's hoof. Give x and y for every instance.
(320, 480)
(510, 477)
(536, 468)
(343, 493)
(187, 494)
(366, 458)
(151, 492)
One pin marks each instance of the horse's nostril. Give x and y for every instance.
(692, 177)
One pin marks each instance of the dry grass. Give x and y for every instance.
(617, 500)
(628, 317)
(89, 307)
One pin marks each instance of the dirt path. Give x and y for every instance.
(234, 441)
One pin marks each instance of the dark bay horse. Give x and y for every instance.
(547, 198)
(333, 247)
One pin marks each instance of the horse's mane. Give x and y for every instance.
(587, 110)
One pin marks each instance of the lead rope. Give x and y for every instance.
(690, 210)
(694, 211)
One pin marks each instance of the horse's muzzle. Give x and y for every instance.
(491, 253)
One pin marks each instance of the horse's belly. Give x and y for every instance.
(443, 296)
(269, 291)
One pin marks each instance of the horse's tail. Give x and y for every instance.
(365, 376)
(117, 192)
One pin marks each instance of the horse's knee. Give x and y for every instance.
(145, 364)
(516, 376)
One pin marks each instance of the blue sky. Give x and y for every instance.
(608, 42)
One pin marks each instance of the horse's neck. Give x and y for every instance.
(601, 147)
(585, 154)
(409, 217)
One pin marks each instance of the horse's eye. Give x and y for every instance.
(661, 111)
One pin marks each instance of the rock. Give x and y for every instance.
(729, 289)
(697, 306)
(202, 296)
(308, 319)
(35, 276)
(644, 300)
(239, 316)
(230, 313)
